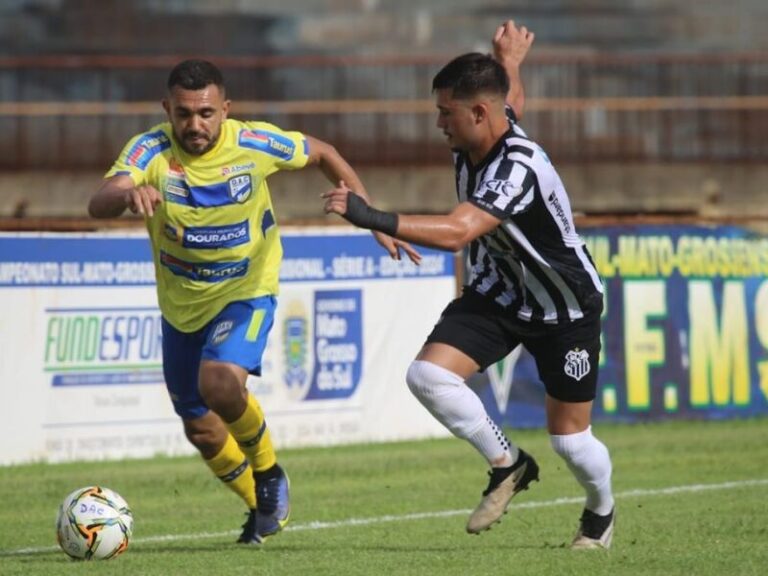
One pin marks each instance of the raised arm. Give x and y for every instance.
(510, 47)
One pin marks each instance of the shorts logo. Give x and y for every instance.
(221, 332)
(577, 364)
(240, 188)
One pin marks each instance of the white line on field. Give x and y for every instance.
(319, 525)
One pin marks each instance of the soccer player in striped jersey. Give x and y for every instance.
(531, 282)
(200, 181)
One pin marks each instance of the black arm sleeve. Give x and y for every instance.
(364, 216)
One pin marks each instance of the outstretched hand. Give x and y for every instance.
(337, 202)
(336, 199)
(143, 200)
(511, 44)
(393, 246)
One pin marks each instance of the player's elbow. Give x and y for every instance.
(95, 210)
(457, 239)
(324, 152)
(98, 208)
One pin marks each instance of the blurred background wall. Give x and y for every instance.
(656, 106)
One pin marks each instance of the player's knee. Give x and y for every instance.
(571, 446)
(443, 393)
(206, 433)
(204, 440)
(221, 390)
(423, 378)
(415, 378)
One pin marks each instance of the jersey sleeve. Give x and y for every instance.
(137, 154)
(505, 191)
(288, 150)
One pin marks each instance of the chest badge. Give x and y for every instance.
(240, 187)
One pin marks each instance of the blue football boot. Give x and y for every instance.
(272, 501)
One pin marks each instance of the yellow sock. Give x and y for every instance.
(252, 435)
(231, 467)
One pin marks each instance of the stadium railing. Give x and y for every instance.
(75, 112)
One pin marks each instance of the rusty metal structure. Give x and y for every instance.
(75, 112)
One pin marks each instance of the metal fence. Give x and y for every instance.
(76, 112)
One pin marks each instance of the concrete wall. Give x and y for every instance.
(594, 188)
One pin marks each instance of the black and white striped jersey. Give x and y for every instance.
(534, 263)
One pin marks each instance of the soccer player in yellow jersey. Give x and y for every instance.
(199, 180)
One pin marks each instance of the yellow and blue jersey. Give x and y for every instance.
(214, 237)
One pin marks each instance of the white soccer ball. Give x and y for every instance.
(94, 523)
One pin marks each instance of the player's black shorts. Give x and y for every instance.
(567, 355)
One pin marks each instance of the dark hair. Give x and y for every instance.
(472, 74)
(195, 75)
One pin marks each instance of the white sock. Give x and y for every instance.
(590, 463)
(459, 409)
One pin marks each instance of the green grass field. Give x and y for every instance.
(692, 498)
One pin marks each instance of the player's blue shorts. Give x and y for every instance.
(237, 335)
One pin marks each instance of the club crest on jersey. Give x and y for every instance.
(240, 188)
(577, 364)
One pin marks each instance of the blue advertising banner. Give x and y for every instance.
(685, 329)
(122, 345)
(81, 330)
(72, 260)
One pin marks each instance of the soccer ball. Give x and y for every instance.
(94, 523)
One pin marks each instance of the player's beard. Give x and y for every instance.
(199, 149)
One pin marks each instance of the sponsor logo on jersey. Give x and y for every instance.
(171, 232)
(240, 187)
(559, 212)
(227, 170)
(208, 237)
(147, 147)
(204, 271)
(499, 194)
(577, 364)
(502, 187)
(176, 179)
(175, 169)
(176, 190)
(267, 142)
